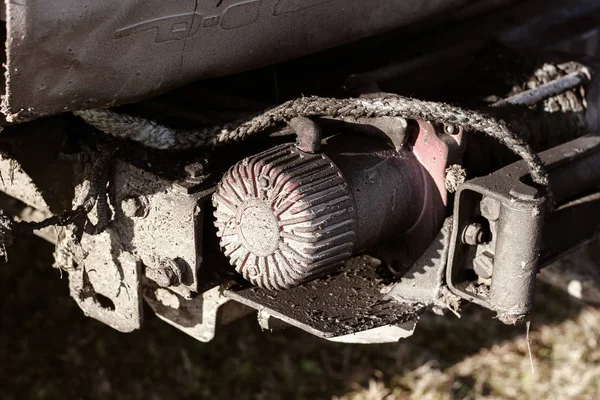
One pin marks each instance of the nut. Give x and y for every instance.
(168, 273)
(483, 265)
(474, 234)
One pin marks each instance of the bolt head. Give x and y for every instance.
(168, 272)
(161, 275)
(264, 181)
(483, 265)
(490, 208)
(524, 192)
(195, 170)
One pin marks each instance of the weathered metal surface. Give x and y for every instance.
(107, 285)
(514, 245)
(352, 300)
(285, 216)
(158, 219)
(389, 186)
(140, 49)
(309, 134)
(30, 164)
(22, 212)
(18, 184)
(169, 230)
(160, 230)
(199, 317)
(436, 148)
(424, 281)
(514, 211)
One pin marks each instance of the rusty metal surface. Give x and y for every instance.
(518, 242)
(349, 301)
(72, 54)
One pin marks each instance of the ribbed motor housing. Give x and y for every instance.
(285, 217)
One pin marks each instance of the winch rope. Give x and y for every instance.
(154, 135)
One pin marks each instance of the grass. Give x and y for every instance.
(49, 350)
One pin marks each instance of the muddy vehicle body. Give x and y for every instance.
(339, 166)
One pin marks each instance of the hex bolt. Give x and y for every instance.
(490, 208)
(195, 170)
(167, 273)
(524, 192)
(163, 276)
(135, 207)
(483, 265)
(474, 234)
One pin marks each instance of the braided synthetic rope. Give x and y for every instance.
(158, 136)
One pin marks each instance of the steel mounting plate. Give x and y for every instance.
(352, 300)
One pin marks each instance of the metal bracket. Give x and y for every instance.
(198, 317)
(353, 300)
(108, 289)
(498, 270)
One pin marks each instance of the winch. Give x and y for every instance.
(286, 216)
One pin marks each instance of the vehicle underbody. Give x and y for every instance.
(454, 159)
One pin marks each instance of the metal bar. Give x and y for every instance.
(547, 90)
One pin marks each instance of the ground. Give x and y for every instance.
(50, 350)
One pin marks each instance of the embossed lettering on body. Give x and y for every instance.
(181, 26)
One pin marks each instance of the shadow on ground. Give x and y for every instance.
(49, 350)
